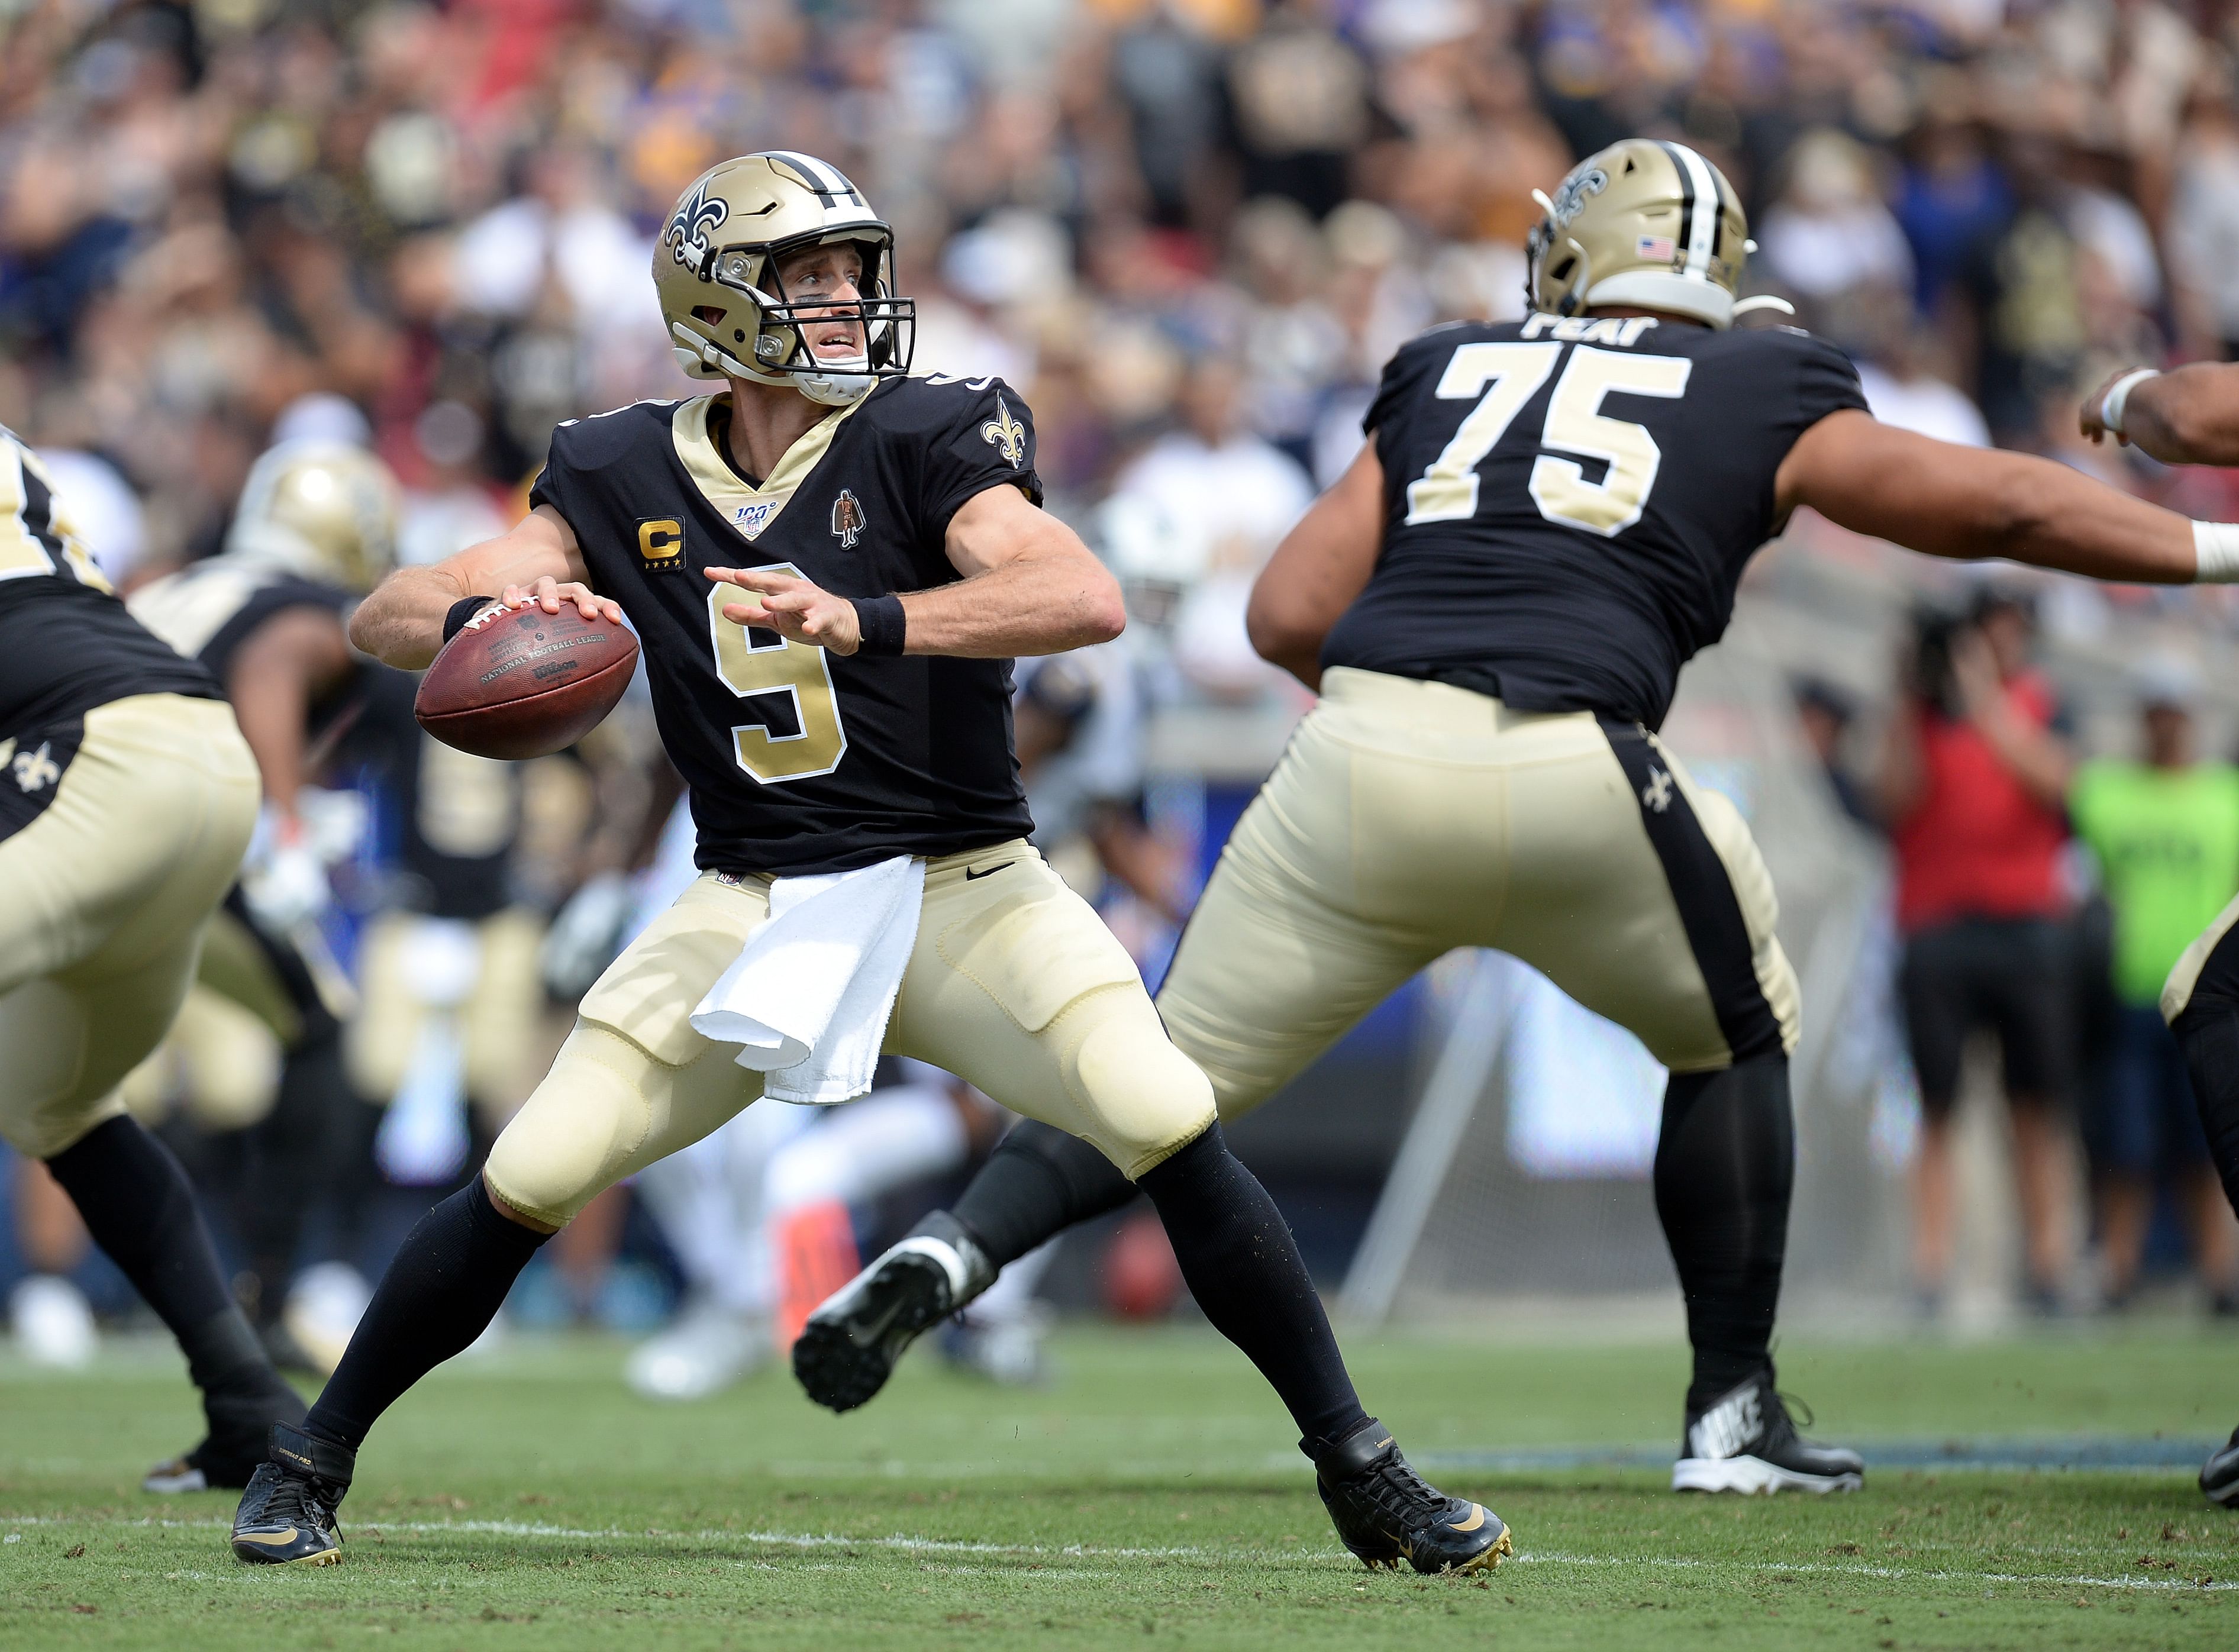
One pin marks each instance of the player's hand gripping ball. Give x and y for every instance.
(528, 676)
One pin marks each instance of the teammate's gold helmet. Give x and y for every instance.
(326, 508)
(1645, 223)
(715, 268)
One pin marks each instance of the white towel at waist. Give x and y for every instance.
(809, 997)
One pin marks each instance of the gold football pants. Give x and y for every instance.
(102, 899)
(497, 1019)
(1015, 986)
(1410, 817)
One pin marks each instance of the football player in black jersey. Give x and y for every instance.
(127, 795)
(830, 564)
(2191, 417)
(1549, 519)
(315, 528)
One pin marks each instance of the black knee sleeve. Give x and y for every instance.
(1037, 1183)
(1725, 1170)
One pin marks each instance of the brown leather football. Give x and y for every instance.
(525, 683)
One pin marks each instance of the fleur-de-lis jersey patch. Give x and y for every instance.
(1006, 433)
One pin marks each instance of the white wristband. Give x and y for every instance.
(2118, 397)
(2216, 545)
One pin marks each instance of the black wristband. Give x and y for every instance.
(456, 617)
(881, 620)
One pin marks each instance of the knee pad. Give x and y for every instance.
(572, 1137)
(1144, 1098)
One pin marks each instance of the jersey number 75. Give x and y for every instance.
(1502, 377)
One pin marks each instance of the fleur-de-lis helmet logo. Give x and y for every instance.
(697, 215)
(1570, 197)
(1007, 435)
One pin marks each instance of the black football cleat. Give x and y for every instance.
(2219, 1475)
(239, 1439)
(1745, 1441)
(1384, 1513)
(851, 1343)
(287, 1515)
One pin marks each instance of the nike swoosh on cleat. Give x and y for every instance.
(270, 1540)
(1476, 1519)
(971, 876)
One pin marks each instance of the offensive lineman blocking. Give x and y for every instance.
(129, 795)
(1549, 519)
(851, 711)
(2191, 417)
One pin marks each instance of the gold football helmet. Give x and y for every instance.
(715, 268)
(326, 508)
(1645, 223)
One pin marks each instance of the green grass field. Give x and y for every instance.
(1150, 1493)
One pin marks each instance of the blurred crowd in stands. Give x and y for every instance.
(1190, 231)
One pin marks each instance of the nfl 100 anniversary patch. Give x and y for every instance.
(31, 769)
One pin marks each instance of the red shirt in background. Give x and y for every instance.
(1978, 845)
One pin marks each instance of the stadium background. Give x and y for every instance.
(1191, 232)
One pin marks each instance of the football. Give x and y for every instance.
(524, 683)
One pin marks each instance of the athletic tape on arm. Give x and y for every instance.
(2216, 545)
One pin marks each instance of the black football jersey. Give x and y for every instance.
(66, 643)
(1569, 503)
(449, 821)
(210, 609)
(798, 760)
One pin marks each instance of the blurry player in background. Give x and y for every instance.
(315, 529)
(2191, 417)
(127, 796)
(840, 706)
(1494, 602)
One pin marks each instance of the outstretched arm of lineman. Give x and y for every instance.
(1968, 503)
(2187, 417)
(1321, 566)
(537, 561)
(1030, 587)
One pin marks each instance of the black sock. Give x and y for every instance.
(1037, 1183)
(292, 1156)
(1243, 1267)
(2209, 1030)
(446, 1284)
(141, 1211)
(1725, 1167)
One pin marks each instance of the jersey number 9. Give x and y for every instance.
(780, 666)
(1503, 377)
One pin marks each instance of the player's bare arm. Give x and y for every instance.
(294, 659)
(537, 560)
(2190, 416)
(1030, 587)
(1321, 566)
(1968, 503)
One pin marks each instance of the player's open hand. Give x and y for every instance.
(2092, 421)
(551, 594)
(797, 609)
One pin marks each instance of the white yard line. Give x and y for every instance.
(900, 1542)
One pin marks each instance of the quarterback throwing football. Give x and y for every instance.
(830, 566)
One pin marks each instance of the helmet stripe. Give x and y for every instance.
(824, 178)
(1699, 203)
